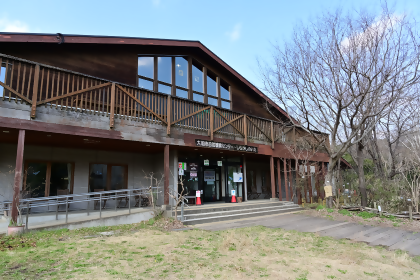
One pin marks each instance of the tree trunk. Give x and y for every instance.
(362, 182)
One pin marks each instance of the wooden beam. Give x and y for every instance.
(35, 91)
(111, 114)
(272, 135)
(268, 137)
(245, 130)
(286, 183)
(72, 93)
(141, 103)
(15, 92)
(272, 177)
(211, 122)
(18, 174)
(173, 89)
(227, 120)
(230, 123)
(155, 74)
(279, 179)
(192, 114)
(166, 175)
(168, 114)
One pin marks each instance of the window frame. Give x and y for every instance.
(108, 174)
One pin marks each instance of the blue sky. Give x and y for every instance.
(237, 31)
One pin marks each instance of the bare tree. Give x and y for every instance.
(340, 75)
(178, 197)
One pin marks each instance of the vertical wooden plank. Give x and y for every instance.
(52, 86)
(11, 79)
(291, 181)
(155, 74)
(72, 89)
(286, 183)
(211, 131)
(6, 77)
(35, 91)
(111, 116)
(245, 121)
(18, 174)
(48, 86)
(168, 114)
(63, 82)
(94, 99)
(48, 179)
(68, 90)
(272, 134)
(272, 178)
(42, 84)
(17, 80)
(219, 101)
(58, 88)
(166, 175)
(279, 179)
(107, 101)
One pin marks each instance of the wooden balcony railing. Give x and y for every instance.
(24, 81)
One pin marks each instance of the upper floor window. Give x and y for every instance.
(145, 72)
(165, 69)
(211, 84)
(181, 72)
(224, 95)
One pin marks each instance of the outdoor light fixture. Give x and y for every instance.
(5, 131)
(48, 135)
(195, 149)
(201, 155)
(147, 145)
(221, 152)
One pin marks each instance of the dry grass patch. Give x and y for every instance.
(246, 253)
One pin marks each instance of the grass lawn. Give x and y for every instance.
(144, 251)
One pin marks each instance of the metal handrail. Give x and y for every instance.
(29, 203)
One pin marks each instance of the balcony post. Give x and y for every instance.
(18, 174)
(35, 91)
(272, 134)
(245, 130)
(272, 177)
(166, 175)
(290, 179)
(211, 123)
(286, 183)
(111, 114)
(279, 179)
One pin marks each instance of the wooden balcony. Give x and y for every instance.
(42, 85)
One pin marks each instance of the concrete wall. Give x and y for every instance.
(138, 165)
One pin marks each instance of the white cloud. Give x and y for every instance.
(235, 34)
(13, 26)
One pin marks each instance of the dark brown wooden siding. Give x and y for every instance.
(119, 63)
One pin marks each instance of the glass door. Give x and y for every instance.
(234, 181)
(211, 184)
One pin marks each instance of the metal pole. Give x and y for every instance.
(56, 211)
(67, 209)
(27, 215)
(88, 205)
(129, 204)
(100, 206)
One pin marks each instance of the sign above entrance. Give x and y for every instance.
(206, 162)
(225, 146)
(219, 163)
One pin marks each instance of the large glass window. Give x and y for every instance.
(146, 84)
(2, 77)
(145, 66)
(165, 69)
(181, 72)
(164, 89)
(198, 97)
(224, 92)
(48, 179)
(212, 101)
(197, 77)
(181, 93)
(211, 85)
(225, 104)
(107, 177)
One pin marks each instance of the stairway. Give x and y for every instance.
(216, 212)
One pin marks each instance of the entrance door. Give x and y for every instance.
(211, 184)
(233, 174)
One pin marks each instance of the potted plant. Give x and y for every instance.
(15, 228)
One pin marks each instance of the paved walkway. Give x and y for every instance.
(391, 237)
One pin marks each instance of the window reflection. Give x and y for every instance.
(197, 78)
(2, 77)
(145, 84)
(145, 66)
(181, 93)
(211, 85)
(225, 104)
(164, 89)
(198, 97)
(224, 92)
(212, 101)
(181, 72)
(165, 69)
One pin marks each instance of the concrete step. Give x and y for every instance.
(231, 206)
(238, 214)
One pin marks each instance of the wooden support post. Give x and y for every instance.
(168, 113)
(18, 174)
(272, 135)
(290, 179)
(309, 182)
(211, 122)
(272, 177)
(155, 74)
(244, 178)
(279, 179)
(111, 114)
(245, 130)
(35, 91)
(166, 175)
(323, 176)
(286, 183)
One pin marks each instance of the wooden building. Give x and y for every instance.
(84, 113)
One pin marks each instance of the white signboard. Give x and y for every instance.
(312, 169)
(379, 208)
(209, 176)
(206, 162)
(219, 163)
(233, 192)
(197, 193)
(237, 177)
(181, 171)
(182, 165)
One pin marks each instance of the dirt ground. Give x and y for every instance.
(145, 251)
(404, 224)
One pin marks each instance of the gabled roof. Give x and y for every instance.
(89, 39)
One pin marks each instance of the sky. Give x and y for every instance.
(238, 32)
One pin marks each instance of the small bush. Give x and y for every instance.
(320, 207)
(345, 212)
(329, 210)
